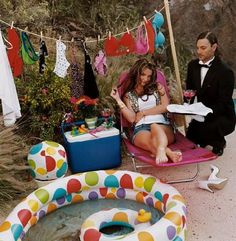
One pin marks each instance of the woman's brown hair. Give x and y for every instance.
(129, 83)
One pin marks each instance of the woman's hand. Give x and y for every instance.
(139, 116)
(115, 94)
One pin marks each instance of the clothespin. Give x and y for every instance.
(84, 45)
(12, 23)
(60, 38)
(72, 40)
(156, 11)
(98, 39)
(127, 30)
(144, 18)
(109, 35)
(41, 35)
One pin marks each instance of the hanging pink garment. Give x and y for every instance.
(141, 41)
(14, 57)
(100, 63)
(8, 94)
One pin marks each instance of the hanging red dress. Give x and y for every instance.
(13, 54)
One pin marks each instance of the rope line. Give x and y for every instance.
(70, 41)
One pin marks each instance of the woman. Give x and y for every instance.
(144, 104)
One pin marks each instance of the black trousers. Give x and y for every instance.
(210, 132)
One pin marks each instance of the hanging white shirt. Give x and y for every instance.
(8, 95)
(205, 69)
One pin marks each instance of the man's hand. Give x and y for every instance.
(198, 118)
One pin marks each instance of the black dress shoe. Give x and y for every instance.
(218, 150)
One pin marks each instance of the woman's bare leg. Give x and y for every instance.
(160, 141)
(156, 142)
(175, 156)
(163, 136)
(143, 139)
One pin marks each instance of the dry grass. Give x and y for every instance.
(13, 168)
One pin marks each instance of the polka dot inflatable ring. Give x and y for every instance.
(109, 184)
(115, 216)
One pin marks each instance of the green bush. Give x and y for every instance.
(44, 101)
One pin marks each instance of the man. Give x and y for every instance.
(213, 81)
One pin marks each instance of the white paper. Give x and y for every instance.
(194, 109)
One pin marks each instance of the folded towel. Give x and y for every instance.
(198, 118)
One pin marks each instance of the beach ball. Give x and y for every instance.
(47, 161)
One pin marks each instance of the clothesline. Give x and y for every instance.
(70, 41)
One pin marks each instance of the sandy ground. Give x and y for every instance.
(211, 216)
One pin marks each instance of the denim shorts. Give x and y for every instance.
(143, 127)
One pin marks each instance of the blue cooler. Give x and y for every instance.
(88, 153)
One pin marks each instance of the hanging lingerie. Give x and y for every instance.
(150, 36)
(90, 85)
(141, 41)
(157, 22)
(27, 50)
(43, 52)
(77, 85)
(100, 63)
(61, 62)
(118, 47)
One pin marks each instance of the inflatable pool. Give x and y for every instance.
(95, 185)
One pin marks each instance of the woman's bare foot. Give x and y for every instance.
(161, 156)
(175, 156)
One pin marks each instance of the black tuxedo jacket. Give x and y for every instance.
(216, 91)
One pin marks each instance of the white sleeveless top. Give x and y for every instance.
(144, 105)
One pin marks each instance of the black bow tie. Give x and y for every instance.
(205, 65)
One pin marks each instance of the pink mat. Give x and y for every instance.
(191, 153)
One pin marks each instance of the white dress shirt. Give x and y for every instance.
(205, 69)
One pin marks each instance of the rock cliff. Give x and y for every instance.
(190, 17)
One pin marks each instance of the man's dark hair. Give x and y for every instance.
(211, 37)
